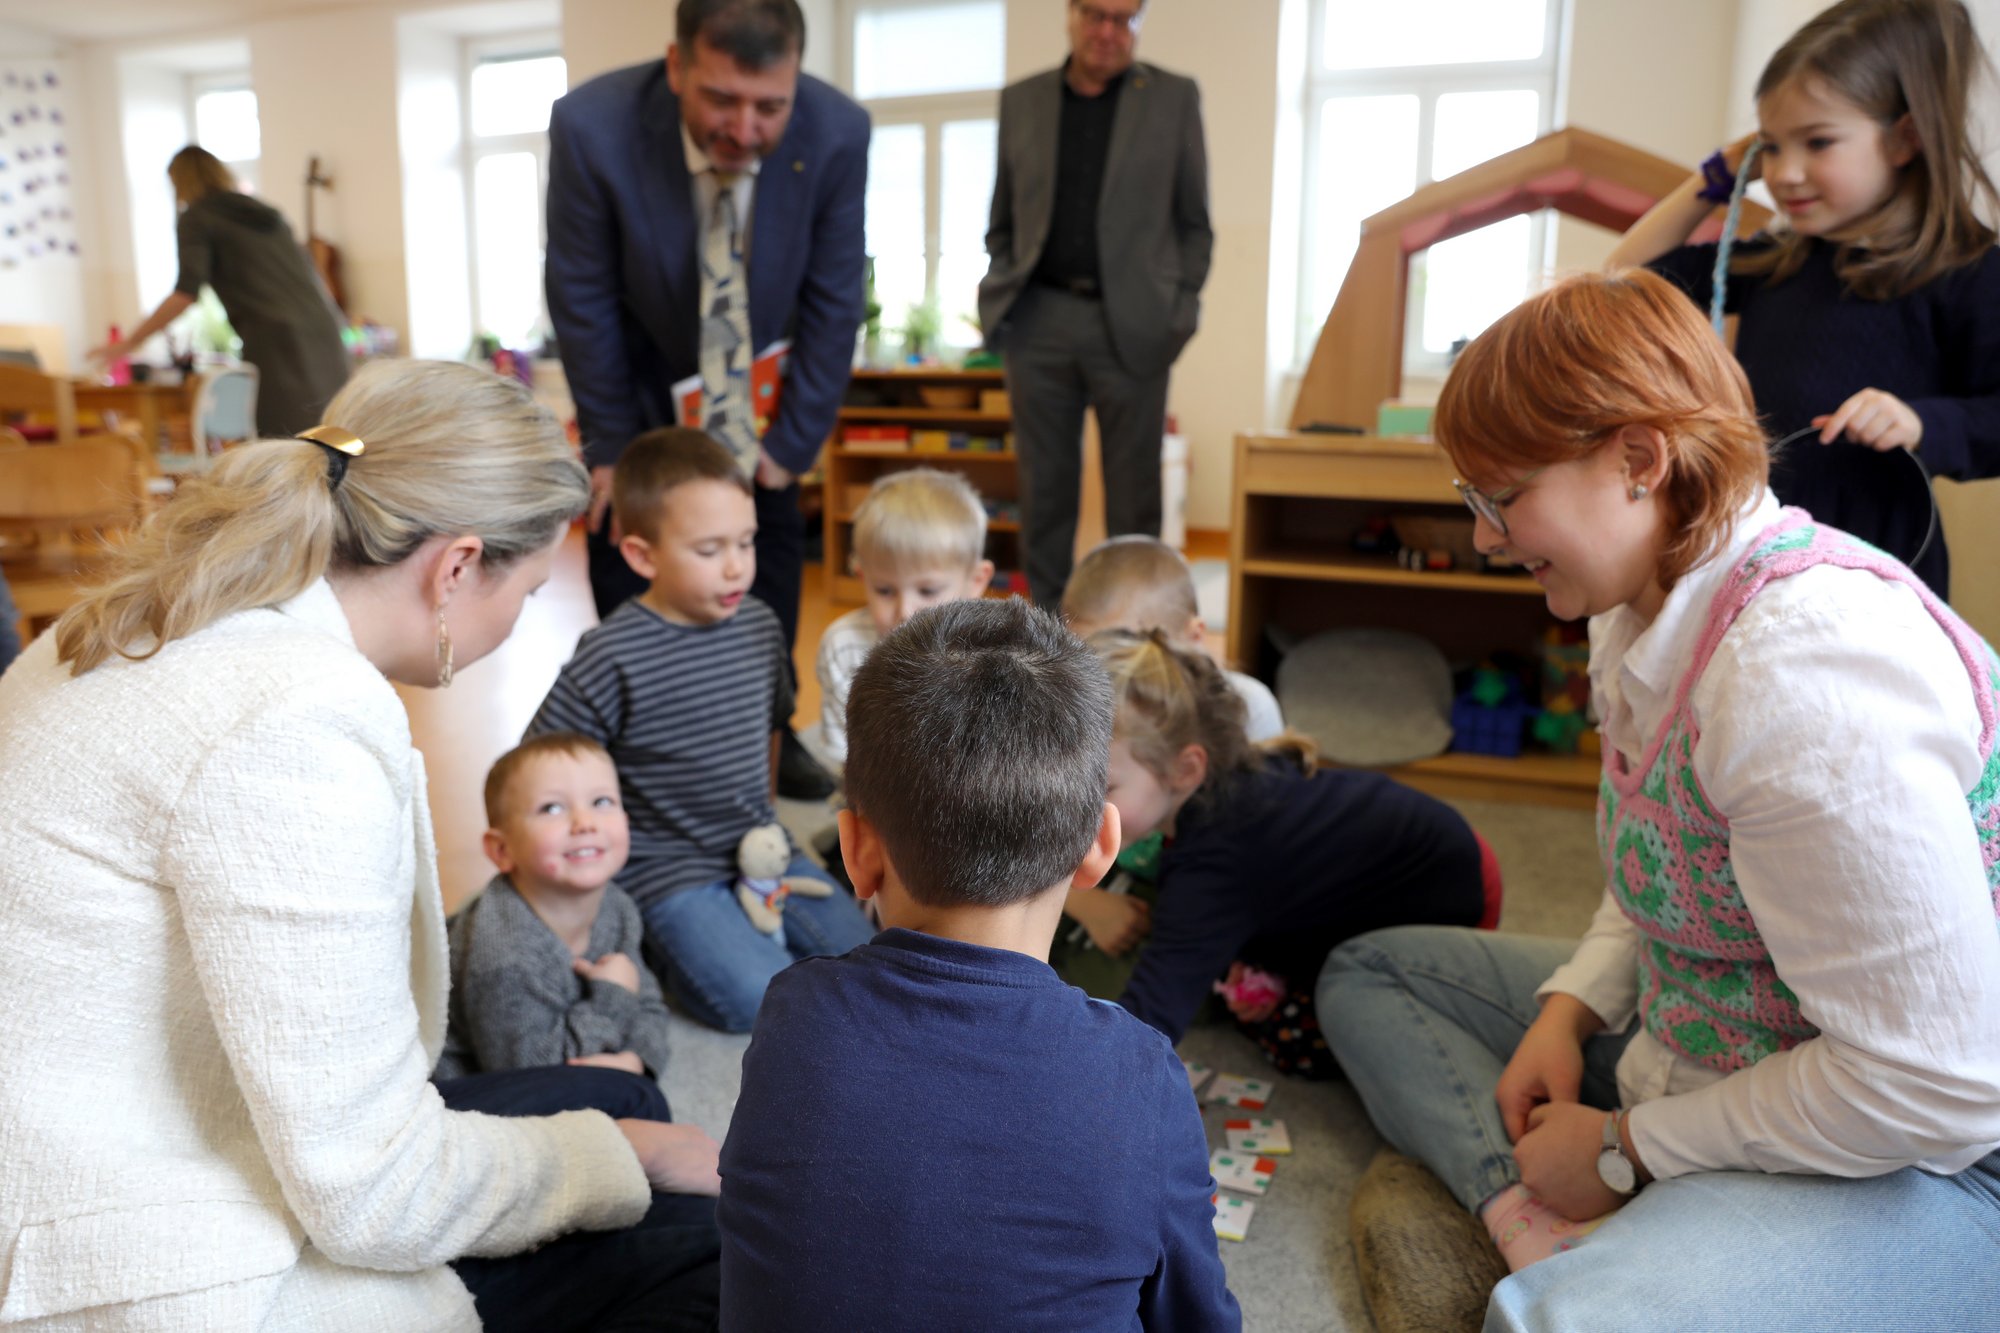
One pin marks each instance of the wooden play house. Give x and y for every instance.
(1299, 497)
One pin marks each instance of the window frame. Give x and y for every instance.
(227, 81)
(500, 48)
(932, 111)
(1542, 75)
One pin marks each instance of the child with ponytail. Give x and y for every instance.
(1875, 314)
(1268, 864)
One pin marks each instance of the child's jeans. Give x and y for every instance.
(717, 964)
(1424, 1018)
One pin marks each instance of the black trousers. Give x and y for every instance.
(663, 1272)
(1060, 361)
(781, 556)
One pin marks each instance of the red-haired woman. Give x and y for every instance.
(1772, 1067)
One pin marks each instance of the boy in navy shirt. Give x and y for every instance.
(934, 1131)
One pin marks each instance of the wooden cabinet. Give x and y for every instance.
(925, 404)
(1298, 500)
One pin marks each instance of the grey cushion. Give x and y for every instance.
(1368, 697)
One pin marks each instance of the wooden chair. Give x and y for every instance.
(26, 391)
(62, 508)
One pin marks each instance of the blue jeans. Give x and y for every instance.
(717, 964)
(661, 1273)
(1424, 1018)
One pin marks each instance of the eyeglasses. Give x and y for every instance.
(1488, 506)
(1092, 17)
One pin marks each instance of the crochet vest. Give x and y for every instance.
(1707, 989)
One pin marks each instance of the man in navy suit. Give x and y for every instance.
(640, 160)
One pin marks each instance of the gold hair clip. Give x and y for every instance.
(340, 445)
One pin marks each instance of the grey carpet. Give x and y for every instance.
(1296, 1270)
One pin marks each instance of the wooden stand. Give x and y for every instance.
(896, 398)
(1298, 501)
(1299, 498)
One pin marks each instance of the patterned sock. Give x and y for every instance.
(1528, 1230)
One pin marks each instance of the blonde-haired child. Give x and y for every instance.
(920, 540)
(1140, 583)
(1268, 864)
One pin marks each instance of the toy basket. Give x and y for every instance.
(1497, 730)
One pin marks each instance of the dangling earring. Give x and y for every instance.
(1638, 491)
(444, 652)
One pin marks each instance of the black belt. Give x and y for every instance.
(1084, 289)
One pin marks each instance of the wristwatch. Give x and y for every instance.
(1614, 1168)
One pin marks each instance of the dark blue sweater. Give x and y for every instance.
(935, 1135)
(1284, 867)
(1808, 345)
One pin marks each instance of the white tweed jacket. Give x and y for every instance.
(222, 988)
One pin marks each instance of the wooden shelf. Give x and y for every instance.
(965, 416)
(1568, 780)
(1331, 567)
(849, 472)
(1295, 498)
(914, 458)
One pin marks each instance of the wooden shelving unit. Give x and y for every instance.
(1296, 500)
(897, 398)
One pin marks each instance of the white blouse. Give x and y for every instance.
(1838, 736)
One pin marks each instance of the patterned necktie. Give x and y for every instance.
(725, 331)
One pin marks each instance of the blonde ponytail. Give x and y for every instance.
(450, 449)
(1170, 698)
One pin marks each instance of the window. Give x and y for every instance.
(1405, 94)
(222, 108)
(510, 84)
(928, 71)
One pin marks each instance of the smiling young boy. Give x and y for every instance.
(544, 962)
(686, 686)
(919, 540)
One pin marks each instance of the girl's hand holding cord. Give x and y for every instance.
(1874, 418)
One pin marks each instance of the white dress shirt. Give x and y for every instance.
(1839, 735)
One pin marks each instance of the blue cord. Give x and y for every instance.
(1720, 289)
(1730, 222)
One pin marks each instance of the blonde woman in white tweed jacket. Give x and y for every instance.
(222, 950)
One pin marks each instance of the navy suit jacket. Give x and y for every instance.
(624, 278)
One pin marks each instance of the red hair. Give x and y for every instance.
(1553, 379)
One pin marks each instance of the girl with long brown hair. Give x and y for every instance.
(1874, 314)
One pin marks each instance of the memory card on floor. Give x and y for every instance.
(1232, 1216)
(1259, 1136)
(1246, 1173)
(1197, 1075)
(1250, 1094)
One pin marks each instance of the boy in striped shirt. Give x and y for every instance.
(686, 686)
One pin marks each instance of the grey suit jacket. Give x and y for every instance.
(1153, 237)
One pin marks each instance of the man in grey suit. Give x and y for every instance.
(1098, 244)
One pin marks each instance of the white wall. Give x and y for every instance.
(1671, 103)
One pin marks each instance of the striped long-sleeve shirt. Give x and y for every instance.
(687, 712)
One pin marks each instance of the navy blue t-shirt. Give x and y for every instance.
(937, 1135)
(1808, 345)
(1286, 866)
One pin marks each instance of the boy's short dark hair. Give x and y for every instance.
(979, 742)
(756, 34)
(507, 765)
(660, 460)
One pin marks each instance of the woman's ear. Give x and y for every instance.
(1643, 457)
(456, 562)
